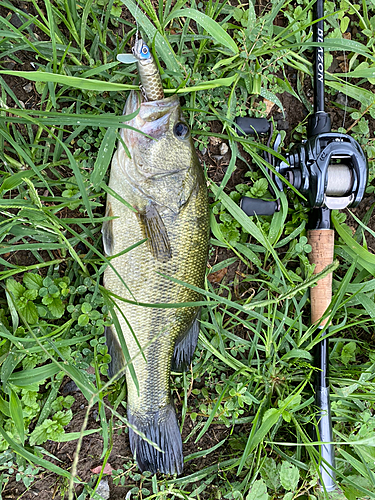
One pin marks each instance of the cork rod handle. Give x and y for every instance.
(322, 243)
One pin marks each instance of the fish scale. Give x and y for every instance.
(164, 182)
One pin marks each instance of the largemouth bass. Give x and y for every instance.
(164, 182)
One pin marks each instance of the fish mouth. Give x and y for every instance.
(153, 116)
(149, 108)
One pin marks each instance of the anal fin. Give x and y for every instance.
(107, 231)
(114, 350)
(185, 346)
(156, 233)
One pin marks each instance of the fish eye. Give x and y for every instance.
(181, 130)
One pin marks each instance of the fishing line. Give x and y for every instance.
(136, 23)
(346, 85)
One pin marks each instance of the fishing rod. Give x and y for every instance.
(330, 170)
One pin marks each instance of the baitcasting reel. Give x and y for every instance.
(328, 169)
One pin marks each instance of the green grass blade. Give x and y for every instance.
(71, 81)
(37, 375)
(104, 157)
(354, 249)
(85, 15)
(212, 27)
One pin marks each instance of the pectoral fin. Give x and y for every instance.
(156, 233)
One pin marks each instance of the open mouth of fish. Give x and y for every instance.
(153, 117)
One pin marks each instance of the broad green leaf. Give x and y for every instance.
(258, 491)
(45, 431)
(290, 496)
(344, 23)
(207, 23)
(270, 96)
(289, 476)
(63, 417)
(16, 413)
(270, 474)
(259, 188)
(32, 281)
(15, 288)
(353, 91)
(56, 307)
(348, 352)
(30, 312)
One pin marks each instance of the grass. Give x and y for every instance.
(252, 376)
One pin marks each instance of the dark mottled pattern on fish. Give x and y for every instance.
(165, 183)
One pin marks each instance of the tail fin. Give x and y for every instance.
(162, 429)
(185, 347)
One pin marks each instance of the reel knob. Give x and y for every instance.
(254, 206)
(252, 126)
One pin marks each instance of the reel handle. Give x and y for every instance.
(252, 126)
(322, 243)
(255, 206)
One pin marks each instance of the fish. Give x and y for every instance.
(167, 210)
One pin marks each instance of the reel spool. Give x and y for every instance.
(330, 170)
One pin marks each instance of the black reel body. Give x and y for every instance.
(330, 170)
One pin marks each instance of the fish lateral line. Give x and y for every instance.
(163, 305)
